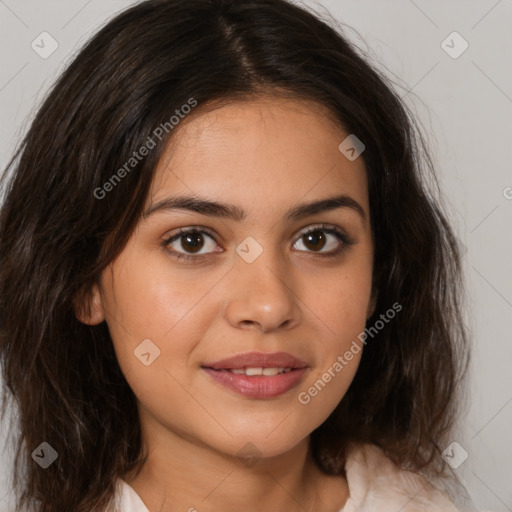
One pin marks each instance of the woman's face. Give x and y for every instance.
(255, 284)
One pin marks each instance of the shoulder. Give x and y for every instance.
(126, 499)
(377, 483)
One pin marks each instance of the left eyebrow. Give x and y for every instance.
(233, 212)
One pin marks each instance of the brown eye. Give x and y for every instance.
(324, 237)
(314, 240)
(190, 243)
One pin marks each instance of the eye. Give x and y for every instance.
(317, 238)
(194, 239)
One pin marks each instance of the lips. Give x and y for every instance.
(258, 375)
(258, 360)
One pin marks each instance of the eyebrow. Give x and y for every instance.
(233, 212)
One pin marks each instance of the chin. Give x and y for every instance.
(254, 445)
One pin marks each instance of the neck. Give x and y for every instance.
(181, 474)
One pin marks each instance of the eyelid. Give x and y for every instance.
(190, 229)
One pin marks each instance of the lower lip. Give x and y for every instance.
(259, 386)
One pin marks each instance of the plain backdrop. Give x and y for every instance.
(464, 101)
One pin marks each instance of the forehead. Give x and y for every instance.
(260, 152)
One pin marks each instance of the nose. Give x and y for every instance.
(261, 295)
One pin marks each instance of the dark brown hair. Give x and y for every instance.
(57, 236)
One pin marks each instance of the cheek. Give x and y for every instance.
(145, 303)
(155, 344)
(340, 308)
(341, 303)
(327, 386)
(343, 318)
(146, 300)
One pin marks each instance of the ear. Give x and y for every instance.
(88, 306)
(373, 303)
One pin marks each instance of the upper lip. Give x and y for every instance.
(258, 360)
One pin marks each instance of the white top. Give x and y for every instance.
(375, 484)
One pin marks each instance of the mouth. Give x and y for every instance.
(251, 372)
(258, 375)
(258, 360)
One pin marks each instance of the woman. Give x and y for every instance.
(224, 282)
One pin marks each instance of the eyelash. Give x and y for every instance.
(342, 237)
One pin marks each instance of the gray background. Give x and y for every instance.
(465, 106)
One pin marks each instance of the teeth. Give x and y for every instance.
(253, 371)
(260, 371)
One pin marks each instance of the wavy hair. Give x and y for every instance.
(57, 237)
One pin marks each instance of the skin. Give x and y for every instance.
(265, 155)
